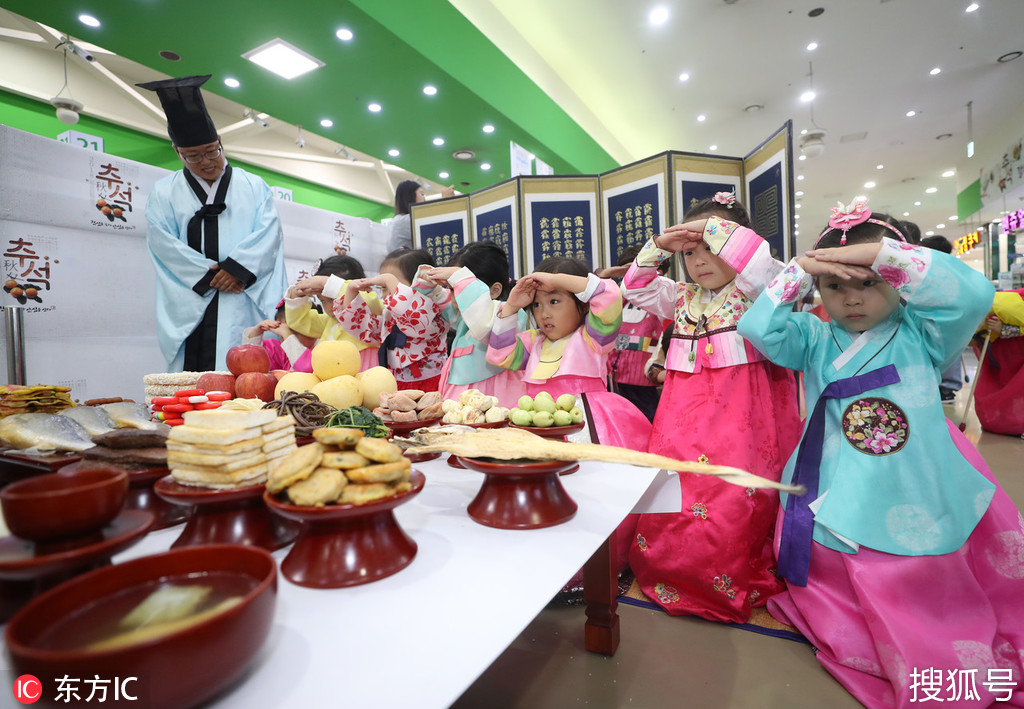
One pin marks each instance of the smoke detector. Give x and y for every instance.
(812, 144)
(67, 109)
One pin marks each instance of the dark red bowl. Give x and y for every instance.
(401, 427)
(63, 505)
(208, 656)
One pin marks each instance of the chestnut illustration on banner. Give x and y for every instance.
(22, 293)
(110, 212)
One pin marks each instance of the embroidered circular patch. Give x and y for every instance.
(875, 426)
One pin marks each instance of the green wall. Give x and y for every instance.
(36, 117)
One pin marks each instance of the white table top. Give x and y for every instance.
(419, 638)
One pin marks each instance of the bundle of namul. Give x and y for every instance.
(516, 444)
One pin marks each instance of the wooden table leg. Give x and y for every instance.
(600, 590)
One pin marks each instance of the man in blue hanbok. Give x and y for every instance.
(214, 237)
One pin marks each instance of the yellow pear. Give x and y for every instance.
(374, 381)
(340, 392)
(296, 381)
(334, 358)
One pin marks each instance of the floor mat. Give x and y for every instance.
(760, 621)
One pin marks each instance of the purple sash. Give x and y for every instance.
(798, 524)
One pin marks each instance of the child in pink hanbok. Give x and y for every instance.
(577, 318)
(410, 331)
(904, 560)
(722, 403)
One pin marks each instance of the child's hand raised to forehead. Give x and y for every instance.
(314, 285)
(521, 295)
(439, 274)
(856, 254)
(846, 271)
(681, 237)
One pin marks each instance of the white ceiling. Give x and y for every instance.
(617, 76)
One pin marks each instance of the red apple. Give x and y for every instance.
(255, 385)
(280, 373)
(217, 381)
(248, 358)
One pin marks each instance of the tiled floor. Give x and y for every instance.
(686, 662)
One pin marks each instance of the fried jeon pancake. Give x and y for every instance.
(383, 473)
(379, 450)
(338, 436)
(344, 460)
(297, 465)
(361, 494)
(322, 486)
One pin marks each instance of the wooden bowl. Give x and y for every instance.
(63, 505)
(552, 431)
(520, 494)
(401, 427)
(46, 637)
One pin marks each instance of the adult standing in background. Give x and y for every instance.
(214, 237)
(408, 193)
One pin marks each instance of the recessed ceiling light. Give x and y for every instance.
(943, 136)
(807, 96)
(430, 90)
(485, 166)
(868, 185)
(953, 218)
(438, 141)
(906, 214)
(463, 154)
(796, 232)
(929, 233)
(800, 193)
(232, 83)
(712, 147)
(803, 132)
(949, 173)
(701, 118)
(917, 204)
(798, 205)
(89, 20)
(344, 34)
(972, 7)
(443, 175)
(282, 58)
(911, 114)
(799, 177)
(796, 216)
(940, 226)
(879, 166)
(684, 76)
(374, 108)
(1009, 57)
(935, 71)
(394, 152)
(931, 190)
(658, 16)
(812, 46)
(326, 122)
(488, 128)
(754, 108)
(802, 157)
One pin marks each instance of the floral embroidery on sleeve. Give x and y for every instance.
(790, 285)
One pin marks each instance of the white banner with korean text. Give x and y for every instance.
(72, 229)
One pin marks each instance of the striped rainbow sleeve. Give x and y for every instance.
(605, 317)
(735, 244)
(475, 304)
(508, 349)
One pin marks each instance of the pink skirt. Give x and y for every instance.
(714, 559)
(368, 358)
(892, 629)
(507, 385)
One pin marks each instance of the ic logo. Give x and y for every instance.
(27, 689)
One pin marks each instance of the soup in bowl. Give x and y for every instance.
(174, 629)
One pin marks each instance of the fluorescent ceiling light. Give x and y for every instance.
(972, 7)
(438, 141)
(949, 173)
(935, 71)
(812, 46)
(713, 147)
(800, 177)
(394, 152)
(940, 226)
(879, 166)
(89, 20)
(911, 114)
(488, 128)
(931, 190)
(326, 122)
(485, 166)
(344, 34)
(430, 90)
(374, 107)
(869, 185)
(282, 58)
(232, 83)
(443, 175)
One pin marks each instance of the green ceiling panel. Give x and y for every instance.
(399, 46)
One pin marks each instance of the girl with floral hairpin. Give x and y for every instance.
(722, 403)
(904, 560)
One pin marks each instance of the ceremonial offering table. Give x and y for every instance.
(421, 637)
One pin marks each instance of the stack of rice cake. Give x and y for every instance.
(227, 449)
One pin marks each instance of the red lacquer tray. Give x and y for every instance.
(520, 494)
(231, 516)
(347, 545)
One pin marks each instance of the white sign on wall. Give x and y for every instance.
(522, 161)
(81, 140)
(282, 193)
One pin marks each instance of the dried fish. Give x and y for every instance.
(516, 444)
